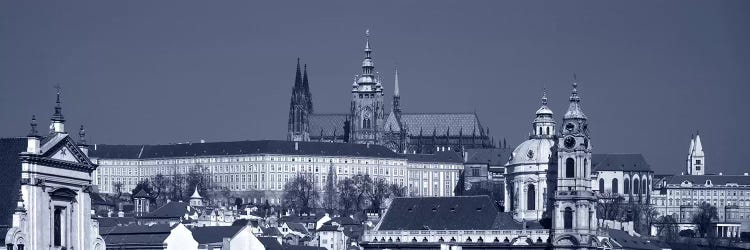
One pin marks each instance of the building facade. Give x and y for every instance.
(265, 166)
(626, 175)
(368, 122)
(680, 196)
(47, 180)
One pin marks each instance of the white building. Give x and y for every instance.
(266, 166)
(51, 208)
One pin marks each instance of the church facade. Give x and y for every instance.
(368, 122)
(47, 180)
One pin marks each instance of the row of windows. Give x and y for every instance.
(639, 187)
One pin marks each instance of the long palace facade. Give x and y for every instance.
(265, 166)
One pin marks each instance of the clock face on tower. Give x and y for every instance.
(569, 142)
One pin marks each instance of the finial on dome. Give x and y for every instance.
(544, 97)
(574, 93)
(367, 40)
(58, 107)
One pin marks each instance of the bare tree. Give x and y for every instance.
(347, 195)
(379, 192)
(397, 190)
(666, 228)
(197, 177)
(608, 207)
(160, 185)
(300, 193)
(118, 189)
(363, 188)
(703, 218)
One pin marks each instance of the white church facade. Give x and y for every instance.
(51, 176)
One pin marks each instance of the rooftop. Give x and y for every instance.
(620, 162)
(239, 148)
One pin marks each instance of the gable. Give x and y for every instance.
(64, 154)
(62, 147)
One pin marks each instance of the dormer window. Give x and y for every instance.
(708, 183)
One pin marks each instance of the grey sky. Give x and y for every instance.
(134, 72)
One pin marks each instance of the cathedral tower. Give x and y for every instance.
(367, 112)
(696, 160)
(575, 204)
(300, 108)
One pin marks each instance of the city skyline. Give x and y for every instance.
(643, 91)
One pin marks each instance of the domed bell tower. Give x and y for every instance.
(367, 109)
(575, 203)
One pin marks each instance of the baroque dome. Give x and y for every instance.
(532, 151)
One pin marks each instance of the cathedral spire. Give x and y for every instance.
(395, 81)
(306, 91)
(368, 66)
(297, 77)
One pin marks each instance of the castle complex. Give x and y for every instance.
(368, 122)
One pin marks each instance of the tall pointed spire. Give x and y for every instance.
(297, 77)
(306, 91)
(395, 81)
(368, 66)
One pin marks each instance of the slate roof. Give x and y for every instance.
(107, 222)
(441, 123)
(344, 220)
(428, 122)
(173, 209)
(328, 123)
(619, 162)
(10, 176)
(270, 231)
(295, 247)
(441, 157)
(215, 234)
(444, 213)
(491, 156)
(630, 242)
(715, 179)
(136, 234)
(141, 194)
(238, 148)
(298, 227)
(271, 243)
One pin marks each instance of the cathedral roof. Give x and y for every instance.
(442, 123)
(239, 148)
(619, 162)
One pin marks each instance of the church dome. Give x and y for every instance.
(532, 151)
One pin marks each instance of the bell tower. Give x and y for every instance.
(575, 204)
(367, 109)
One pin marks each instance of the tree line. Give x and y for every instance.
(345, 196)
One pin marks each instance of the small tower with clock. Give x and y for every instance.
(367, 109)
(575, 212)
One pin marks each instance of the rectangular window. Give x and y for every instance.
(58, 226)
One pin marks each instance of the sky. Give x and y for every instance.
(650, 73)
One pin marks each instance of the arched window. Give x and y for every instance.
(366, 123)
(540, 130)
(614, 186)
(531, 198)
(636, 185)
(569, 168)
(586, 168)
(644, 190)
(568, 218)
(601, 185)
(627, 186)
(547, 130)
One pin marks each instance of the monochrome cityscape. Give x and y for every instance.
(381, 174)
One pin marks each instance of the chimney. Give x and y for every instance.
(296, 146)
(466, 156)
(720, 173)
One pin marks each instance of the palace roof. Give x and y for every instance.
(620, 162)
(441, 157)
(239, 148)
(715, 179)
